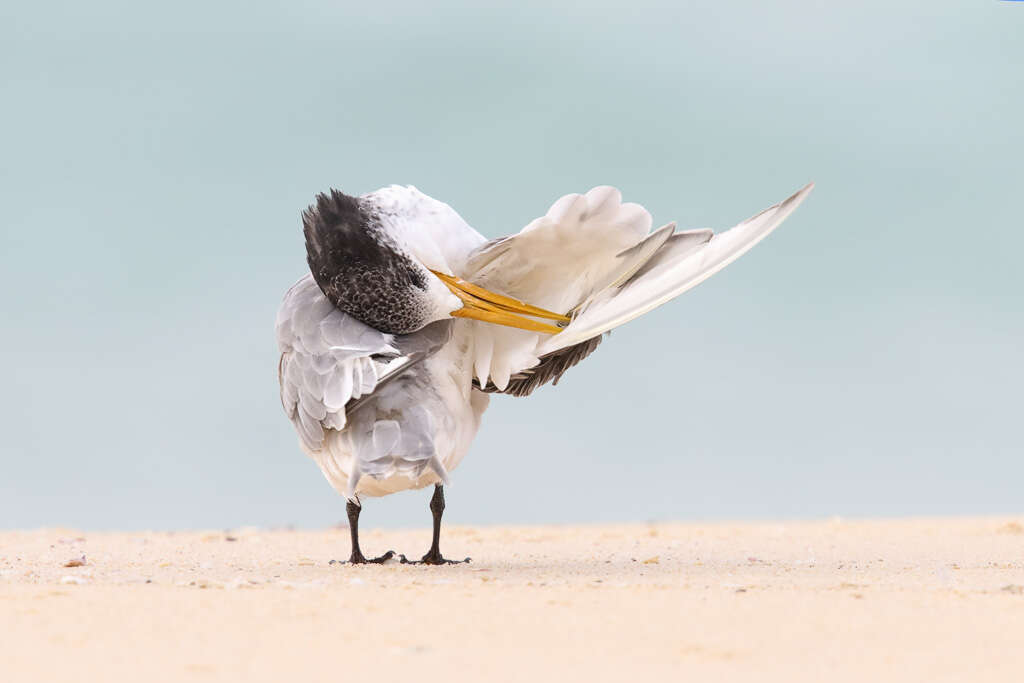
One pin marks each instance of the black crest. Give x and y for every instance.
(358, 267)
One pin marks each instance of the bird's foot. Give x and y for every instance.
(357, 558)
(433, 557)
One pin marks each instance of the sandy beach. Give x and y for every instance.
(838, 600)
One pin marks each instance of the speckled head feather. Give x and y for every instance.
(359, 269)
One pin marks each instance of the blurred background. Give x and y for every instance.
(863, 361)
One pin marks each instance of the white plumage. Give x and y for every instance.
(382, 412)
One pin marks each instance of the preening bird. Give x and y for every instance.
(410, 319)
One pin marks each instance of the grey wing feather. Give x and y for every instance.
(327, 359)
(412, 349)
(383, 444)
(677, 246)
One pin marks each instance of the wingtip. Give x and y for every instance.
(802, 192)
(790, 203)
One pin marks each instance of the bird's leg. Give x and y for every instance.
(433, 555)
(353, 510)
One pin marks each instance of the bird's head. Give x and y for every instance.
(368, 263)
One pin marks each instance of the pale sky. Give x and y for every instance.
(863, 361)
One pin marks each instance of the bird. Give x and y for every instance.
(409, 320)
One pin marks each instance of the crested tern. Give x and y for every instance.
(409, 319)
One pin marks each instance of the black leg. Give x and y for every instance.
(433, 555)
(353, 527)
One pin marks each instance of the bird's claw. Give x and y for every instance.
(433, 559)
(357, 558)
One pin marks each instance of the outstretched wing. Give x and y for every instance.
(680, 265)
(593, 257)
(583, 244)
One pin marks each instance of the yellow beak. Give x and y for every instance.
(482, 304)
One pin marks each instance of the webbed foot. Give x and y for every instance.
(434, 558)
(357, 558)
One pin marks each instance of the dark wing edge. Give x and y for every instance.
(550, 369)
